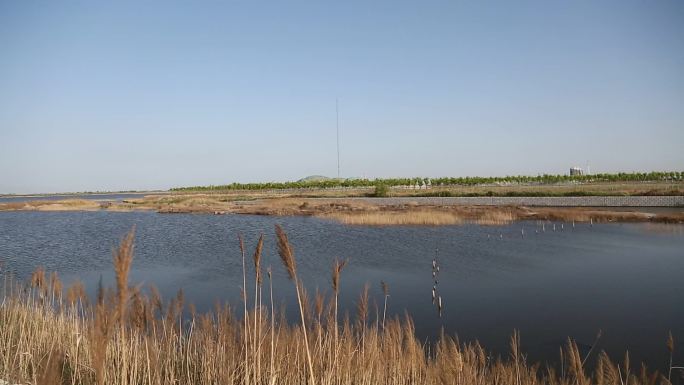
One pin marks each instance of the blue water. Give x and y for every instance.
(113, 196)
(623, 279)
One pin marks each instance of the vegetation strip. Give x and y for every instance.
(447, 181)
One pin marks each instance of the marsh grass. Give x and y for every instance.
(126, 337)
(385, 218)
(496, 218)
(52, 205)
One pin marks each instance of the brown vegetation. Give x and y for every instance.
(490, 215)
(353, 211)
(52, 205)
(46, 339)
(383, 218)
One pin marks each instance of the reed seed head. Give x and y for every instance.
(385, 288)
(319, 300)
(55, 284)
(38, 277)
(286, 253)
(242, 244)
(337, 269)
(257, 258)
(76, 292)
(123, 257)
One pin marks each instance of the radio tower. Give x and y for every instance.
(337, 123)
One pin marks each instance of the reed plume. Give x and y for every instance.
(56, 286)
(286, 253)
(287, 256)
(336, 271)
(39, 282)
(123, 257)
(76, 293)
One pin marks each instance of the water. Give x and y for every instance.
(623, 279)
(56, 197)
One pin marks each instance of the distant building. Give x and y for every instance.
(576, 171)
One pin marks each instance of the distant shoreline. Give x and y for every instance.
(390, 211)
(69, 194)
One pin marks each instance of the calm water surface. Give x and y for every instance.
(113, 196)
(625, 279)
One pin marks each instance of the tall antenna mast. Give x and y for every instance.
(337, 122)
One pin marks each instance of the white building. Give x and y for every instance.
(576, 171)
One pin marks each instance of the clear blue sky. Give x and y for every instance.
(145, 95)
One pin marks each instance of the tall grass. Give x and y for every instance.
(127, 337)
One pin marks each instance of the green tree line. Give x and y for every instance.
(448, 181)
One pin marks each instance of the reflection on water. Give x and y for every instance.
(624, 279)
(663, 228)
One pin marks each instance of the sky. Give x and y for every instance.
(137, 95)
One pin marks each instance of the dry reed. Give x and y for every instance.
(287, 256)
(385, 218)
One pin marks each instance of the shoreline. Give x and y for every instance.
(391, 211)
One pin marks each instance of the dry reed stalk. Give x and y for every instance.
(257, 282)
(38, 281)
(670, 348)
(576, 368)
(99, 337)
(123, 257)
(52, 374)
(593, 345)
(244, 301)
(287, 256)
(270, 286)
(336, 272)
(319, 302)
(515, 354)
(55, 287)
(385, 293)
(362, 315)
